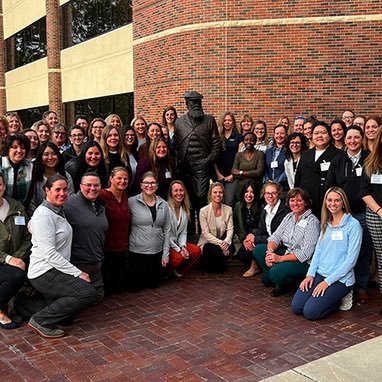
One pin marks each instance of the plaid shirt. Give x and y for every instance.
(299, 237)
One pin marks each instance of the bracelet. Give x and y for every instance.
(378, 210)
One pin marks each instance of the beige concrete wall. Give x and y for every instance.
(27, 86)
(99, 67)
(18, 14)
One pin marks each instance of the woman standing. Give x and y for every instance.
(294, 146)
(260, 130)
(49, 162)
(183, 255)
(346, 172)
(168, 120)
(95, 129)
(372, 126)
(112, 148)
(77, 137)
(42, 130)
(15, 125)
(284, 259)
(275, 158)
(153, 131)
(315, 163)
(248, 164)
(114, 120)
(34, 143)
(230, 140)
(89, 160)
(149, 242)
(371, 192)
(338, 129)
(139, 125)
(330, 276)
(307, 130)
(216, 222)
(17, 170)
(50, 118)
(15, 245)
(64, 286)
(114, 265)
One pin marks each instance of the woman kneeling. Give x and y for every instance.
(330, 276)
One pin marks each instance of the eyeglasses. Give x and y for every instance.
(59, 133)
(77, 135)
(151, 184)
(89, 185)
(348, 117)
(270, 193)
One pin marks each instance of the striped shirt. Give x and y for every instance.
(299, 237)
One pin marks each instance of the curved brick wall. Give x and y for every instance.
(267, 70)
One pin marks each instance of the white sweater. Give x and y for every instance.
(51, 243)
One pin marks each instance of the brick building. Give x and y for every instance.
(268, 58)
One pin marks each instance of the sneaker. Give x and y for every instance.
(45, 332)
(347, 301)
(176, 273)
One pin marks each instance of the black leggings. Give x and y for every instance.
(213, 260)
(11, 280)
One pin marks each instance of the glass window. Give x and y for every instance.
(27, 45)
(85, 19)
(121, 104)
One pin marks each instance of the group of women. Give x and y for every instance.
(299, 176)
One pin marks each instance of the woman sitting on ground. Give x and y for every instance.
(284, 259)
(246, 216)
(330, 276)
(15, 245)
(216, 221)
(271, 216)
(183, 255)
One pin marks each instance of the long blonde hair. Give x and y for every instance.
(105, 148)
(326, 215)
(186, 204)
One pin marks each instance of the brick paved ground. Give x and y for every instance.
(215, 328)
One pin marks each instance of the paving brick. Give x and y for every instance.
(202, 327)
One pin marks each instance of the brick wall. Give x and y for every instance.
(3, 105)
(267, 70)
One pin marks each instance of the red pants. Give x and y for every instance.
(182, 265)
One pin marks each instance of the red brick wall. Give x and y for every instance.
(3, 106)
(265, 70)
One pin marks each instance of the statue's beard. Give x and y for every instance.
(196, 114)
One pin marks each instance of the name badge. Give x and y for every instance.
(274, 164)
(302, 223)
(376, 179)
(337, 235)
(167, 174)
(325, 166)
(19, 220)
(358, 171)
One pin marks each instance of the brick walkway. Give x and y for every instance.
(214, 328)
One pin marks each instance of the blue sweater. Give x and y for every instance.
(337, 252)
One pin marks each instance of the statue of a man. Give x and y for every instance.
(197, 146)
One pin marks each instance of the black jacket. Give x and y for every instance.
(312, 177)
(261, 233)
(342, 174)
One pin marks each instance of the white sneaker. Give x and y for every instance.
(347, 301)
(176, 273)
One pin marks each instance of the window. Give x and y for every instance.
(27, 45)
(121, 104)
(85, 19)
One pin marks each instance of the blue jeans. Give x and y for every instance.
(362, 267)
(315, 308)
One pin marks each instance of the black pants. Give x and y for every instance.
(114, 271)
(213, 260)
(11, 280)
(65, 296)
(145, 271)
